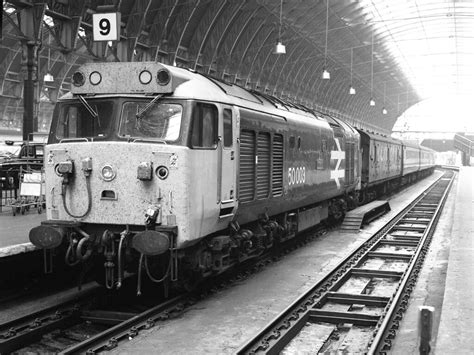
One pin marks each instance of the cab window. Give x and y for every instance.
(204, 126)
(227, 128)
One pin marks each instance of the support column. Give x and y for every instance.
(30, 21)
(30, 68)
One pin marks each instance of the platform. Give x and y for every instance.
(14, 231)
(354, 219)
(457, 314)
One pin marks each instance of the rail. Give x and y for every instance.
(359, 297)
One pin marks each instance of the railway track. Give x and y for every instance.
(91, 324)
(357, 307)
(81, 322)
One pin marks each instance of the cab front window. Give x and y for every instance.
(77, 121)
(161, 121)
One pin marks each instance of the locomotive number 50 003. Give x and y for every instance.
(296, 175)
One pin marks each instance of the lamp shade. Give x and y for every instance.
(279, 48)
(326, 75)
(48, 77)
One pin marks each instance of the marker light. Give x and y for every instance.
(162, 172)
(163, 77)
(108, 173)
(145, 77)
(95, 78)
(78, 79)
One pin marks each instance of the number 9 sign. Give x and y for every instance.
(106, 27)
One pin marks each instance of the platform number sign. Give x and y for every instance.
(106, 27)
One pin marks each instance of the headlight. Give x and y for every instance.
(108, 173)
(78, 79)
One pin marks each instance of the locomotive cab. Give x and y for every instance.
(118, 162)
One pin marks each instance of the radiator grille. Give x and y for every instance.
(277, 173)
(247, 166)
(263, 165)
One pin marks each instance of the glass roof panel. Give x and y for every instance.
(432, 41)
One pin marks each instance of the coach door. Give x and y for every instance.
(227, 160)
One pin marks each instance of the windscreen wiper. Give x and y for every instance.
(89, 108)
(140, 114)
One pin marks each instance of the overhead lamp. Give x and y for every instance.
(352, 91)
(372, 102)
(384, 111)
(326, 75)
(279, 47)
(48, 77)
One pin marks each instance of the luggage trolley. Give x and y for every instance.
(31, 193)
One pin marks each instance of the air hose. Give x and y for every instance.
(89, 198)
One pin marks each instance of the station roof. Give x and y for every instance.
(396, 52)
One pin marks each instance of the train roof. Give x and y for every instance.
(378, 137)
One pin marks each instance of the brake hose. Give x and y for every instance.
(89, 198)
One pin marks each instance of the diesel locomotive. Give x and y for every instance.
(158, 168)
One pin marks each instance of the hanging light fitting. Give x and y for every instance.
(279, 47)
(48, 77)
(326, 75)
(352, 90)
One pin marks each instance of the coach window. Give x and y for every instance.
(227, 128)
(204, 128)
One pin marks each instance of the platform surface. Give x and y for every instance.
(14, 231)
(456, 328)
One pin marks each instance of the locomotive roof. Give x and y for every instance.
(125, 79)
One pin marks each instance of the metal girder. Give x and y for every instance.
(223, 35)
(135, 24)
(161, 28)
(234, 40)
(184, 19)
(242, 25)
(215, 16)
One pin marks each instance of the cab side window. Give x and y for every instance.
(227, 128)
(204, 127)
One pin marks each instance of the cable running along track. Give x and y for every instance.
(358, 306)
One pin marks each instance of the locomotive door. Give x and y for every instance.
(227, 159)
